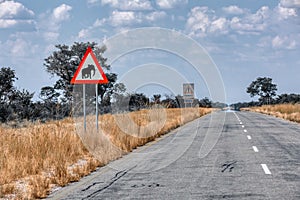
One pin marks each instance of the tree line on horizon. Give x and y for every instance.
(55, 101)
(265, 89)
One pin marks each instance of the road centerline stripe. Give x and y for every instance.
(249, 137)
(266, 169)
(255, 149)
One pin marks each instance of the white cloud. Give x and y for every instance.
(84, 33)
(279, 20)
(51, 36)
(128, 5)
(290, 3)
(50, 22)
(118, 19)
(168, 4)
(99, 22)
(219, 25)
(20, 47)
(235, 10)
(260, 16)
(123, 18)
(14, 14)
(283, 43)
(129, 18)
(202, 21)
(92, 1)
(22, 25)
(277, 42)
(61, 13)
(155, 15)
(198, 21)
(121, 21)
(251, 23)
(14, 10)
(5, 23)
(285, 13)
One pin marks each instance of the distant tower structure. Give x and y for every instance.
(188, 94)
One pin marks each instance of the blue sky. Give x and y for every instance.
(245, 39)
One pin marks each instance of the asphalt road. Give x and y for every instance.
(225, 155)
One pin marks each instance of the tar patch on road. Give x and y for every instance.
(228, 166)
(235, 196)
(152, 185)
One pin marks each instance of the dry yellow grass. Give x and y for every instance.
(38, 157)
(289, 112)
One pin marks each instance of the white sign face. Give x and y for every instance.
(188, 91)
(89, 70)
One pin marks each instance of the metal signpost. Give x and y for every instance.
(89, 71)
(84, 110)
(97, 106)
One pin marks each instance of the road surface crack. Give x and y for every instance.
(87, 188)
(117, 176)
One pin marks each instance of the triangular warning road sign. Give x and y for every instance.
(89, 70)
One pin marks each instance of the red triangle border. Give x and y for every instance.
(104, 81)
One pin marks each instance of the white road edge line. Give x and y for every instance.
(255, 149)
(266, 169)
(249, 137)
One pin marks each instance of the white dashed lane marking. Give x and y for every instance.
(266, 169)
(255, 149)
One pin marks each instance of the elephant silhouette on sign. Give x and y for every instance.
(87, 72)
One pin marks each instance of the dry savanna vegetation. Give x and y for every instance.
(39, 157)
(289, 112)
